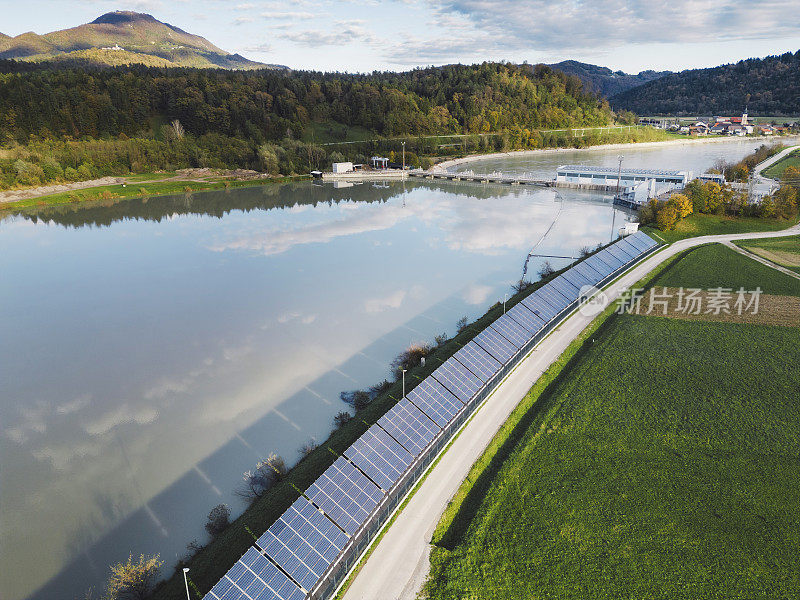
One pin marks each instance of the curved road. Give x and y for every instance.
(398, 566)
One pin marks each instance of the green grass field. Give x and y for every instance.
(661, 463)
(698, 224)
(715, 265)
(782, 251)
(776, 170)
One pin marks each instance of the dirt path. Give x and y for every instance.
(9, 196)
(762, 260)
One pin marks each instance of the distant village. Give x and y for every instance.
(738, 126)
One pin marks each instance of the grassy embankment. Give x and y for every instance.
(211, 563)
(661, 462)
(696, 225)
(782, 251)
(776, 171)
(138, 186)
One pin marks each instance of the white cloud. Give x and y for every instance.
(476, 294)
(569, 25)
(120, 415)
(383, 303)
(340, 33)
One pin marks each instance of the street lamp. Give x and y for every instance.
(186, 583)
(403, 144)
(505, 297)
(404, 382)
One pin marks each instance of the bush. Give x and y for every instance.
(218, 519)
(341, 419)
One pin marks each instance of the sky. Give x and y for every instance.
(365, 35)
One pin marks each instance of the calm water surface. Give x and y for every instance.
(152, 351)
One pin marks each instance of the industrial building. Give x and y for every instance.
(610, 176)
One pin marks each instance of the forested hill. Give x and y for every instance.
(604, 80)
(269, 105)
(767, 86)
(119, 38)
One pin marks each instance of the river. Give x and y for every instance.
(154, 349)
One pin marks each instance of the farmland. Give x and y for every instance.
(782, 251)
(661, 463)
(715, 265)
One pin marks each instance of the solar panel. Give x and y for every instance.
(588, 272)
(526, 318)
(496, 345)
(637, 243)
(621, 257)
(599, 265)
(512, 331)
(576, 279)
(629, 248)
(539, 306)
(408, 425)
(267, 580)
(432, 398)
(457, 379)
(345, 495)
(478, 361)
(381, 458)
(553, 296)
(606, 256)
(302, 542)
(646, 239)
(565, 288)
(254, 577)
(643, 240)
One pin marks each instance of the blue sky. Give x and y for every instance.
(349, 35)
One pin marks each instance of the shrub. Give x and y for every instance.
(218, 519)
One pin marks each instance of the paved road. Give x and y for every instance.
(398, 566)
(769, 162)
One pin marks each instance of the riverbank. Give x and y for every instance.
(112, 189)
(449, 164)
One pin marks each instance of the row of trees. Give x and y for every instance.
(711, 198)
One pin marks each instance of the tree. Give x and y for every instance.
(461, 324)
(133, 580)
(263, 477)
(308, 448)
(218, 519)
(785, 202)
(546, 270)
(667, 217)
(358, 399)
(341, 419)
(410, 358)
(682, 205)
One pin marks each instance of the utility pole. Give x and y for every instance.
(619, 173)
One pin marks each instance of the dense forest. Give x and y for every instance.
(73, 123)
(269, 105)
(767, 86)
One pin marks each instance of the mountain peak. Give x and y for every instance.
(123, 37)
(120, 17)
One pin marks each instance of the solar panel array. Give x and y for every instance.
(294, 554)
